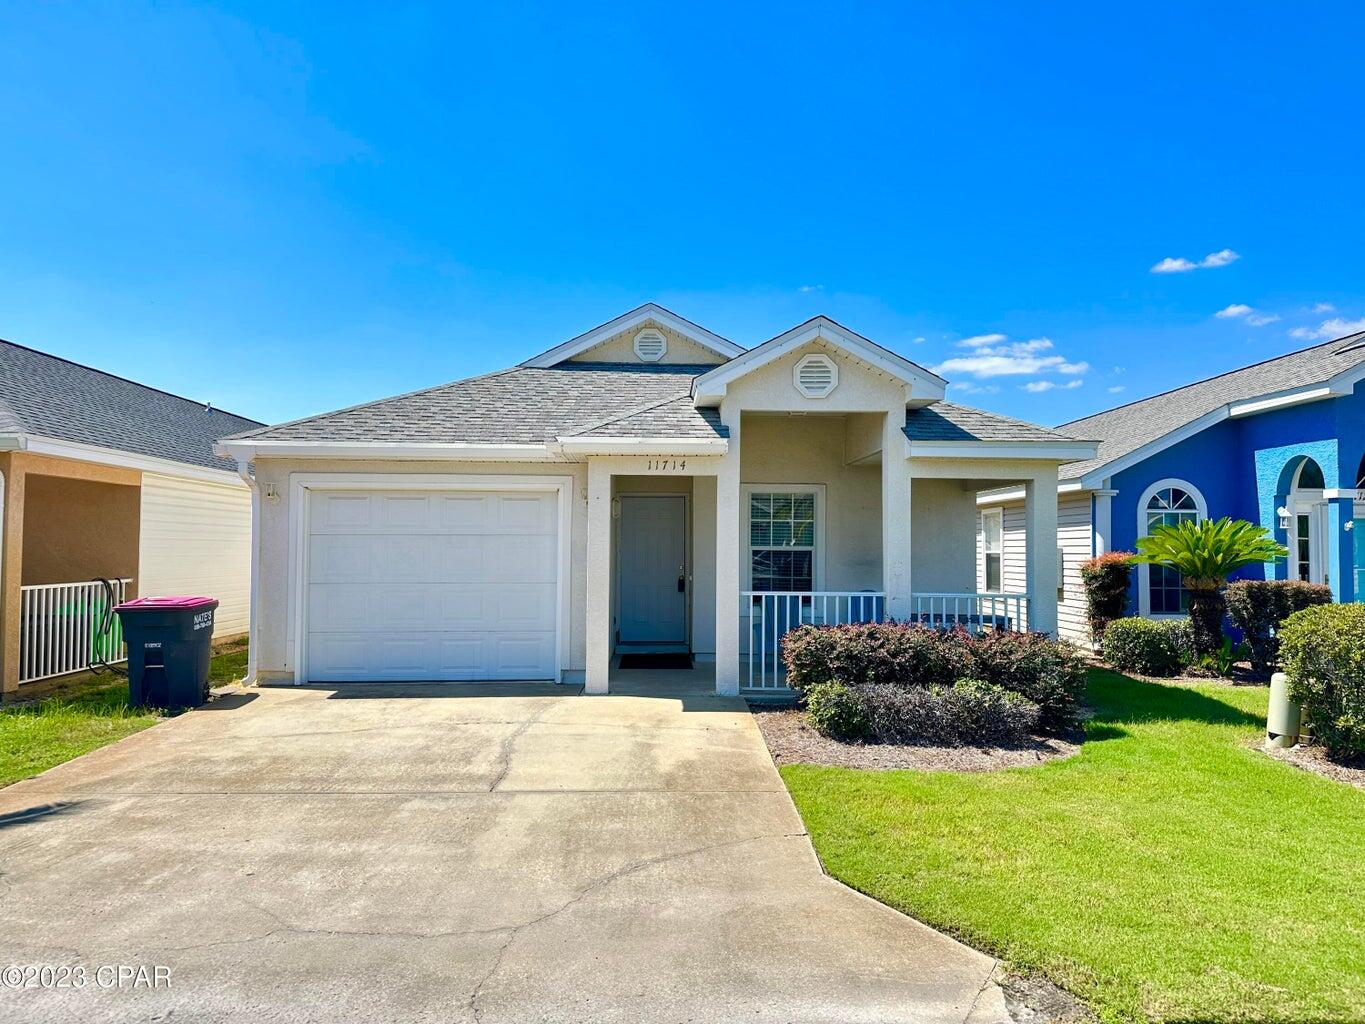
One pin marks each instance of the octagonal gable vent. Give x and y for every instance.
(816, 376)
(650, 345)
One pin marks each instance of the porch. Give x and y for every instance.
(801, 521)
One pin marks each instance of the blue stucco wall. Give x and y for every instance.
(1239, 467)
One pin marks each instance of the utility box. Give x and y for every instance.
(169, 648)
(1283, 717)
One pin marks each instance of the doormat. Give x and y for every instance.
(656, 661)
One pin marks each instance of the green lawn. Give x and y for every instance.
(1166, 872)
(89, 712)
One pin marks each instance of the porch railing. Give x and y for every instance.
(771, 615)
(59, 628)
(975, 613)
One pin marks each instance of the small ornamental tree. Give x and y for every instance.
(1205, 554)
(1106, 578)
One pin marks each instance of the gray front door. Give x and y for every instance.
(651, 556)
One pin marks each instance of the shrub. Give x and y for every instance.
(1106, 578)
(1148, 647)
(969, 711)
(808, 653)
(885, 652)
(1257, 607)
(1050, 673)
(1324, 656)
(835, 710)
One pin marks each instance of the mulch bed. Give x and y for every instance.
(791, 741)
(1032, 999)
(1315, 760)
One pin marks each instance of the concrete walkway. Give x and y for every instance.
(453, 854)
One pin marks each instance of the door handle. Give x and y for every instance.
(682, 583)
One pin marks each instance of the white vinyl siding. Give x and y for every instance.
(196, 539)
(1075, 541)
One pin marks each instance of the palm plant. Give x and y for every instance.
(1205, 554)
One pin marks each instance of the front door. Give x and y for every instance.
(652, 569)
(1309, 542)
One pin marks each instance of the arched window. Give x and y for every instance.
(1166, 503)
(1360, 473)
(1309, 477)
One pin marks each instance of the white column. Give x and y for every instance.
(598, 617)
(895, 518)
(1040, 550)
(727, 561)
(1104, 520)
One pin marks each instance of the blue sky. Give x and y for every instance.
(286, 209)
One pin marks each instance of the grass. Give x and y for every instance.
(88, 712)
(1166, 872)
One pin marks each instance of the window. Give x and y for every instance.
(815, 376)
(992, 546)
(1169, 506)
(782, 540)
(1303, 547)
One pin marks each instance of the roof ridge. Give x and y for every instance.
(366, 405)
(128, 380)
(1218, 376)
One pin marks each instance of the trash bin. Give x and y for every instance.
(168, 650)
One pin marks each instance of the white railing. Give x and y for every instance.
(973, 612)
(768, 616)
(59, 627)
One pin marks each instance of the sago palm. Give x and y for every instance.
(1205, 554)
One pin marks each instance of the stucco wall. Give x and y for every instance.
(620, 348)
(942, 537)
(79, 529)
(274, 657)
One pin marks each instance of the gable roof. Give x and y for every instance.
(637, 316)
(524, 405)
(45, 396)
(920, 383)
(1131, 432)
(948, 421)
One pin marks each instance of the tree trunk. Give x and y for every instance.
(1206, 619)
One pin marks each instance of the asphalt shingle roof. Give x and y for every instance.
(1131, 426)
(48, 396)
(947, 421)
(523, 405)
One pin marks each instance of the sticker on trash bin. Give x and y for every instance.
(204, 620)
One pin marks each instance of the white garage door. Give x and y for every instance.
(432, 585)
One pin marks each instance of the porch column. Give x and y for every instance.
(1340, 554)
(727, 561)
(11, 572)
(896, 518)
(598, 618)
(1040, 549)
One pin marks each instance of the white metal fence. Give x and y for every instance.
(59, 628)
(773, 614)
(973, 612)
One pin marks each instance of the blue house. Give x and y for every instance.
(1280, 443)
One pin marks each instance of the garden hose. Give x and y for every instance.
(103, 632)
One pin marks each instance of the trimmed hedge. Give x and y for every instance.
(834, 710)
(1149, 647)
(1258, 607)
(1106, 578)
(1324, 656)
(1049, 673)
(971, 711)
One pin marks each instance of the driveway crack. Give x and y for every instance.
(509, 744)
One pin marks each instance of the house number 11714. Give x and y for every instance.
(665, 465)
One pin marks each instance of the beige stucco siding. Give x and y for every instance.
(942, 534)
(274, 615)
(620, 348)
(1075, 543)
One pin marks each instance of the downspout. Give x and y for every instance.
(244, 472)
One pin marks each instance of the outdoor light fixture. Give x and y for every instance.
(1283, 513)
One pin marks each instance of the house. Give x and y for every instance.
(101, 477)
(1280, 443)
(646, 486)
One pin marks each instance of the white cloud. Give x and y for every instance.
(994, 355)
(1328, 329)
(1241, 311)
(1115, 389)
(974, 389)
(1036, 386)
(1323, 307)
(917, 341)
(981, 340)
(806, 289)
(1180, 265)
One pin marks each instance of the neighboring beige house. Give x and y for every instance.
(645, 487)
(101, 477)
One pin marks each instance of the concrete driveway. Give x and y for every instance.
(450, 854)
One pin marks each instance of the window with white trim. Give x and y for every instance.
(992, 548)
(782, 540)
(1170, 506)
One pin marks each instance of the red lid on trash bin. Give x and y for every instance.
(160, 603)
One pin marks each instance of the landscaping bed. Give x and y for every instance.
(791, 740)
